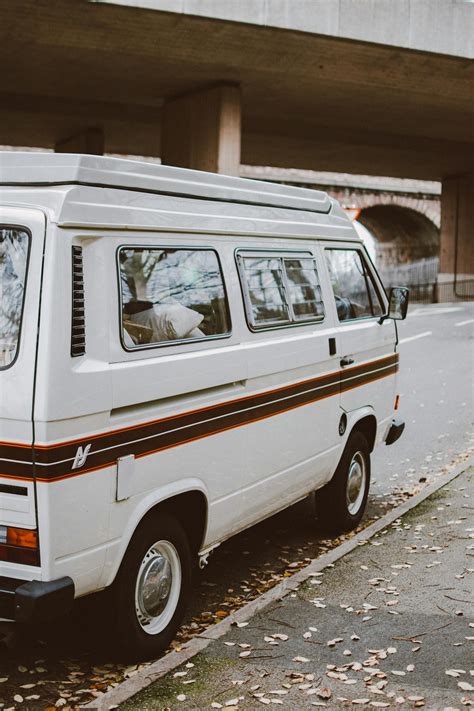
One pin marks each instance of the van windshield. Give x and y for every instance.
(13, 260)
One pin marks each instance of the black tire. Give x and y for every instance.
(335, 513)
(130, 639)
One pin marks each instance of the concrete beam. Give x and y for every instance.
(91, 140)
(457, 227)
(357, 151)
(308, 100)
(202, 130)
(128, 127)
(442, 27)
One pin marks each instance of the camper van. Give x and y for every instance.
(182, 355)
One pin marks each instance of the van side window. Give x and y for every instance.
(171, 295)
(266, 290)
(280, 290)
(305, 293)
(14, 244)
(354, 290)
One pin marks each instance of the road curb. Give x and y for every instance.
(143, 678)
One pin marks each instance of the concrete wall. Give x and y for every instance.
(441, 26)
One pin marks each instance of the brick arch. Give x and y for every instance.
(403, 234)
(429, 208)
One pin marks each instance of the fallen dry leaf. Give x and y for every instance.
(324, 692)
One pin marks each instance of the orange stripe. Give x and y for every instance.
(246, 398)
(210, 434)
(17, 478)
(15, 444)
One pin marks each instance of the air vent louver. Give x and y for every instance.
(78, 326)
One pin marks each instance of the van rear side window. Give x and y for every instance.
(171, 295)
(280, 290)
(13, 262)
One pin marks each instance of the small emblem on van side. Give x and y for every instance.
(81, 456)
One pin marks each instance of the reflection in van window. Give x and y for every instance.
(264, 281)
(171, 295)
(13, 259)
(305, 293)
(281, 290)
(352, 283)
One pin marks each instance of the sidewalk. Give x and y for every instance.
(390, 625)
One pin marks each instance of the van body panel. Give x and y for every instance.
(150, 178)
(370, 380)
(74, 520)
(282, 361)
(87, 208)
(73, 388)
(17, 494)
(247, 417)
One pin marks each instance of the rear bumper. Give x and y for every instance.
(35, 601)
(395, 431)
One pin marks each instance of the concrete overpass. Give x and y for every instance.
(381, 87)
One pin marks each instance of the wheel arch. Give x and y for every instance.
(189, 506)
(367, 426)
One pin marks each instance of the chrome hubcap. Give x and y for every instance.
(158, 587)
(356, 483)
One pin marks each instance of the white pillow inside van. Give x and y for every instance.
(169, 322)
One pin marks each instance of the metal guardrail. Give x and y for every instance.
(441, 292)
(423, 271)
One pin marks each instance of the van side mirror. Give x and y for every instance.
(397, 304)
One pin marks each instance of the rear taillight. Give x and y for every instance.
(19, 545)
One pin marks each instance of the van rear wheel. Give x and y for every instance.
(340, 504)
(152, 589)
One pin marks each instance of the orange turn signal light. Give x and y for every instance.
(397, 400)
(22, 537)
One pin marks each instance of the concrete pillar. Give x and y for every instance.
(202, 130)
(456, 277)
(457, 225)
(91, 140)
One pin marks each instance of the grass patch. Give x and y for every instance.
(162, 694)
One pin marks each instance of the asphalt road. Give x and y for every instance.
(436, 395)
(436, 378)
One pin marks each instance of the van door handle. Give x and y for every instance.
(346, 361)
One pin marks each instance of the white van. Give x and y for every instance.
(182, 354)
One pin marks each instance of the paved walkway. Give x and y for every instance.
(390, 625)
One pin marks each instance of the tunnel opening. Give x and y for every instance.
(402, 235)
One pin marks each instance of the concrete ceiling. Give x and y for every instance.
(308, 101)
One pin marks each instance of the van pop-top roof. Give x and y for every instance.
(49, 169)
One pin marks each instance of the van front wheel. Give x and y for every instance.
(340, 504)
(152, 588)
